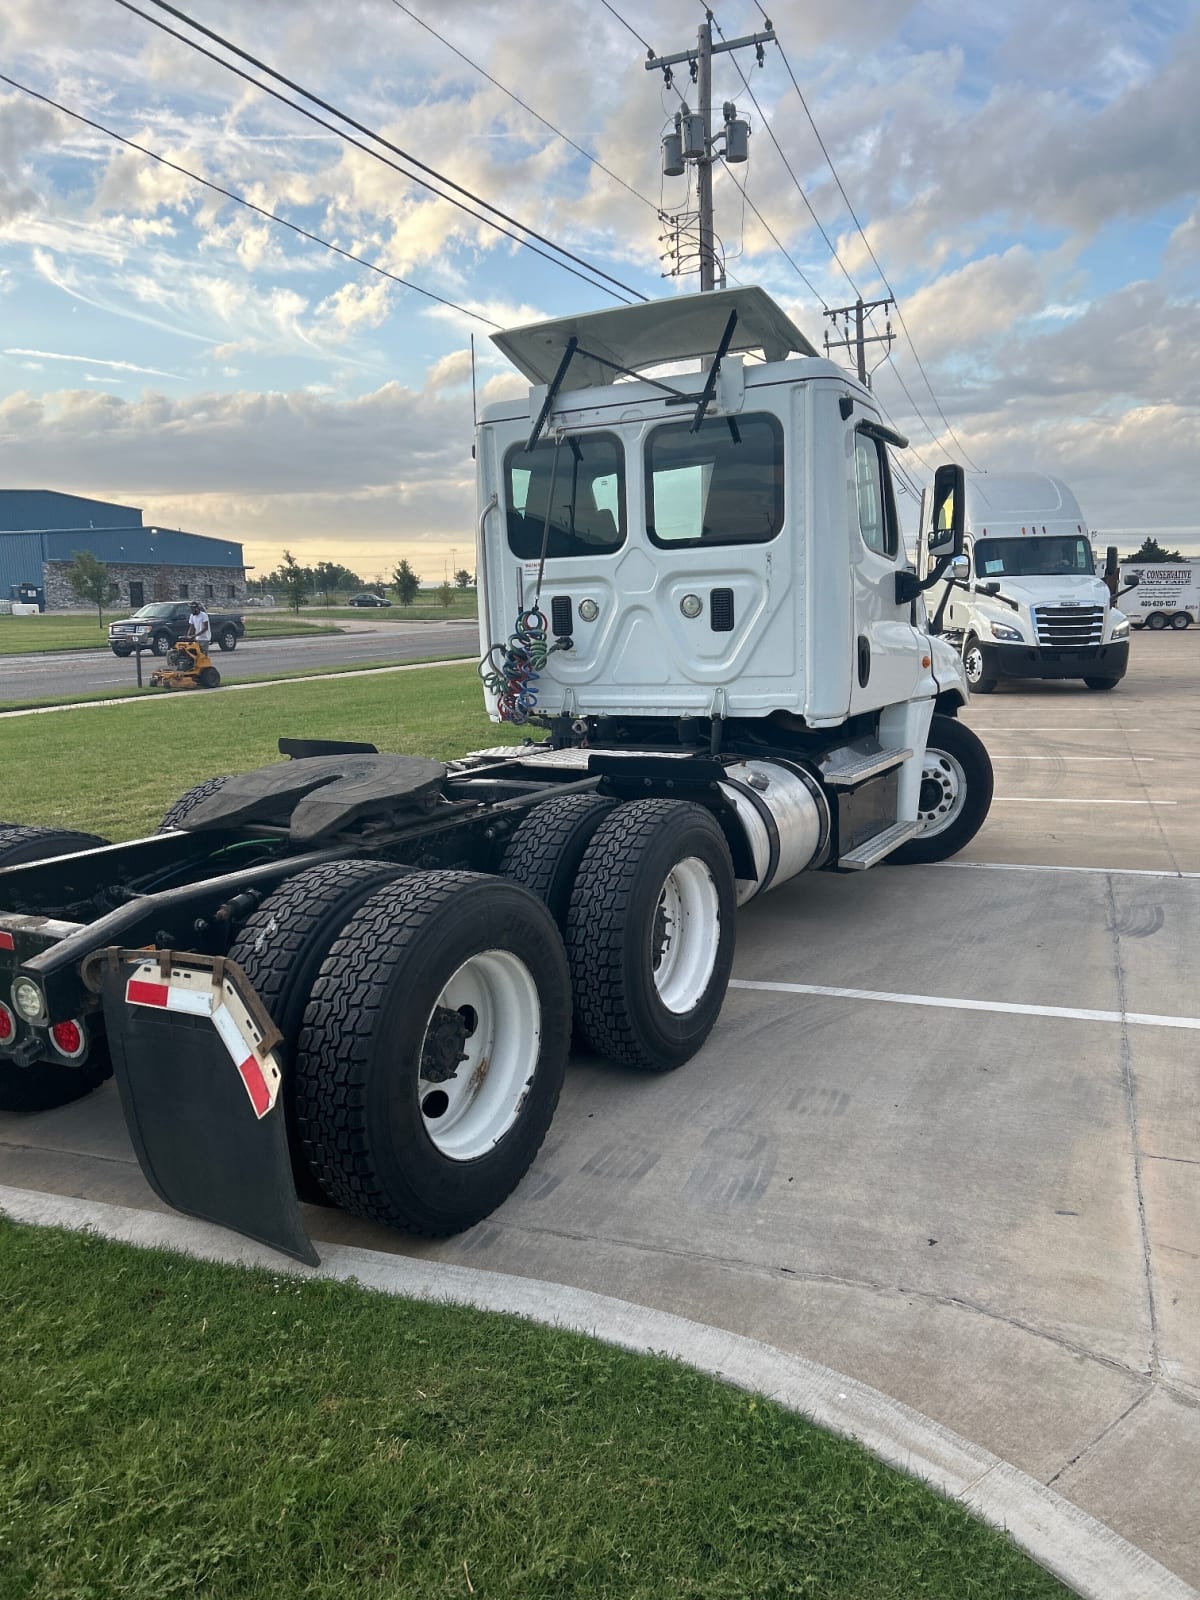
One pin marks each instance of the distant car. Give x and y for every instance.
(368, 600)
(158, 627)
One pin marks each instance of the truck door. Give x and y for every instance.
(887, 663)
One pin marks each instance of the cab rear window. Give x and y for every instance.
(722, 485)
(577, 485)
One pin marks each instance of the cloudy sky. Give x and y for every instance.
(1026, 175)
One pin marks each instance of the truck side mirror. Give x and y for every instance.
(949, 488)
(1111, 562)
(960, 568)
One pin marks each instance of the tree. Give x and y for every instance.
(445, 594)
(294, 580)
(89, 578)
(330, 576)
(406, 582)
(462, 578)
(1151, 550)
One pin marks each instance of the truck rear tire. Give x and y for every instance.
(19, 843)
(281, 948)
(973, 668)
(45, 1084)
(188, 801)
(1181, 620)
(545, 851)
(433, 1050)
(1102, 683)
(650, 933)
(227, 639)
(956, 793)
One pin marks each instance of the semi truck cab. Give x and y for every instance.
(1024, 599)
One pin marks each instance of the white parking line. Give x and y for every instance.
(1141, 1019)
(1020, 757)
(1041, 866)
(1060, 800)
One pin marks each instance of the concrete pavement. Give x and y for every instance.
(944, 1137)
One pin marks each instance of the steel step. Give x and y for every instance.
(874, 851)
(847, 775)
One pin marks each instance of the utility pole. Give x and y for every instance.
(693, 140)
(861, 339)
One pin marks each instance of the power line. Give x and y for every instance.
(791, 174)
(627, 27)
(377, 137)
(816, 293)
(545, 121)
(870, 251)
(283, 222)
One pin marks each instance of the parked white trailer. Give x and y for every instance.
(1024, 600)
(1164, 595)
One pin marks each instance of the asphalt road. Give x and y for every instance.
(40, 677)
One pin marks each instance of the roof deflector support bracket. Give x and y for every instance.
(552, 393)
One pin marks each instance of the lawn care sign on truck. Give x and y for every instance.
(1171, 590)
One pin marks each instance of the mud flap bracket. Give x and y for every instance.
(201, 1088)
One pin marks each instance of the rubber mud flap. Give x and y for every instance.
(199, 1140)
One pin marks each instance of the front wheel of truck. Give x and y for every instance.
(1101, 684)
(433, 1050)
(973, 668)
(956, 793)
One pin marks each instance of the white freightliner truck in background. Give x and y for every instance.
(353, 976)
(1024, 599)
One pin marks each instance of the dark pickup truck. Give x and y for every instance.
(157, 627)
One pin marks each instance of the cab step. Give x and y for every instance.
(878, 847)
(849, 774)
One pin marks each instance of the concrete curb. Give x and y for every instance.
(234, 688)
(1085, 1554)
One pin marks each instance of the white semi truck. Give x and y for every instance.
(1167, 595)
(1024, 599)
(354, 976)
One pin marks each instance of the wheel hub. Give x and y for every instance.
(943, 791)
(445, 1036)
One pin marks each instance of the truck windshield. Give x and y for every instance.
(155, 613)
(588, 512)
(1031, 558)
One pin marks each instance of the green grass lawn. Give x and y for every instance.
(115, 769)
(24, 635)
(174, 1428)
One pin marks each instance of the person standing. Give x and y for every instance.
(199, 626)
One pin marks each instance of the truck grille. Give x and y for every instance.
(1069, 625)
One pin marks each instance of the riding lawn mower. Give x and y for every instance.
(188, 667)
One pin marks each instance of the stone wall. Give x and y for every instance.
(209, 584)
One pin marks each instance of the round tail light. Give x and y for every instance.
(69, 1038)
(8, 1025)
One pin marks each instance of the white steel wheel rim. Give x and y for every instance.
(685, 935)
(974, 664)
(467, 1114)
(946, 773)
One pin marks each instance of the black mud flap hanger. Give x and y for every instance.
(194, 1053)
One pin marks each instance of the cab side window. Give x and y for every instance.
(876, 505)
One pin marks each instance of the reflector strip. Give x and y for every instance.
(6, 941)
(190, 991)
(257, 1087)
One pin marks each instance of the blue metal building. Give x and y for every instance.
(41, 530)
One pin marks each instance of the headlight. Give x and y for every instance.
(1002, 630)
(1121, 629)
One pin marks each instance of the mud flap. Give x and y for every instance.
(192, 1050)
